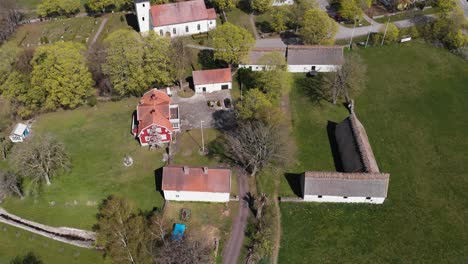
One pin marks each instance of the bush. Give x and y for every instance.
(92, 101)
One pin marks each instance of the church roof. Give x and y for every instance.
(181, 12)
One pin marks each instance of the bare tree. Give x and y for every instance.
(184, 251)
(347, 80)
(9, 18)
(10, 184)
(40, 158)
(181, 57)
(260, 202)
(5, 146)
(255, 144)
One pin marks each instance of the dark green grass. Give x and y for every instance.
(414, 110)
(18, 242)
(97, 140)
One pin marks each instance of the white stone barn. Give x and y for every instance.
(198, 184)
(314, 58)
(212, 80)
(175, 19)
(340, 187)
(256, 55)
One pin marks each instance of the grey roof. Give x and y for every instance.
(347, 147)
(256, 53)
(346, 184)
(315, 55)
(363, 144)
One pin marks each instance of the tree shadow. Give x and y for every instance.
(224, 120)
(331, 127)
(207, 61)
(244, 5)
(250, 199)
(132, 21)
(313, 88)
(294, 181)
(264, 27)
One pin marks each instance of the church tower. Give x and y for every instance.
(143, 8)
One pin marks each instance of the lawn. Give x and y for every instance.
(414, 110)
(97, 139)
(240, 18)
(17, 242)
(407, 15)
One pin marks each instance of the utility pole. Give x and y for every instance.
(368, 35)
(352, 34)
(202, 138)
(385, 33)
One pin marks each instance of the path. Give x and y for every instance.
(98, 33)
(234, 245)
(200, 47)
(252, 22)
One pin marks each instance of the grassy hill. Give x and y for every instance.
(415, 113)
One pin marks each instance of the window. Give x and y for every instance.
(143, 5)
(174, 31)
(211, 22)
(198, 27)
(319, 196)
(345, 197)
(204, 89)
(175, 125)
(224, 87)
(163, 137)
(368, 198)
(313, 68)
(186, 28)
(158, 130)
(177, 196)
(143, 18)
(161, 32)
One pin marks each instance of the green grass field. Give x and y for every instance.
(97, 139)
(414, 110)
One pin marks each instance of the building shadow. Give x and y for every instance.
(331, 127)
(132, 21)
(207, 61)
(294, 181)
(158, 180)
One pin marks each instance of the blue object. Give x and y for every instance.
(178, 231)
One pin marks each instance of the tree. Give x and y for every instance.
(10, 184)
(29, 258)
(124, 62)
(298, 10)
(40, 159)
(445, 6)
(181, 59)
(347, 80)
(122, 233)
(8, 54)
(318, 27)
(58, 7)
(60, 76)
(105, 5)
(279, 20)
(274, 83)
(274, 58)
(5, 146)
(455, 40)
(9, 18)
(232, 44)
(157, 60)
(350, 9)
(224, 4)
(257, 106)
(255, 144)
(261, 6)
(392, 33)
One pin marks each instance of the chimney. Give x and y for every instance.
(186, 170)
(205, 170)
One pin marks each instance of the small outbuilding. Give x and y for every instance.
(197, 184)
(256, 55)
(19, 133)
(212, 80)
(314, 58)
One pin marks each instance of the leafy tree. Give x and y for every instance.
(104, 5)
(455, 40)
(16, 88)
(318, 27)
(232, 43)
(29, 258)
(58, 7)
(348, 80)
(224, 4)
(255, 145)
(273, 58)
(60, 76)
(445, 6)
(274, 83)
(298, 10)
(40, 159)
(5, 145)
(261, 6)
(181, 59)
(279, 20)
(157, 59)
(257, 106)
(392, 33)
(10, 184)
(350, 9)
(8, 54)
(122, 233)
(124, 62)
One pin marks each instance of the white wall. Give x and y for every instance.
(205, 26)
(196, 196)
(341, 199)
(255, 67)
(211, 87)
(307, 68)
(282, 2)
(143, 15)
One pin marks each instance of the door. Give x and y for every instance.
(204, 89)
(224, 87)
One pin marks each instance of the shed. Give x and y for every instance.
(19, 133)
(314, 58)
(212, 80)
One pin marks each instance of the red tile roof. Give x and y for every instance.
(212, 76)
(154, 109)
(181, 12)
(195, 179)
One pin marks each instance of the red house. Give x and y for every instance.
(156, 119)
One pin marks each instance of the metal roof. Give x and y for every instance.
(181, 12)
(196, 179)
(315, 55)
(212, 76)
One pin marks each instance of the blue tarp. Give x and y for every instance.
(178, 231)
